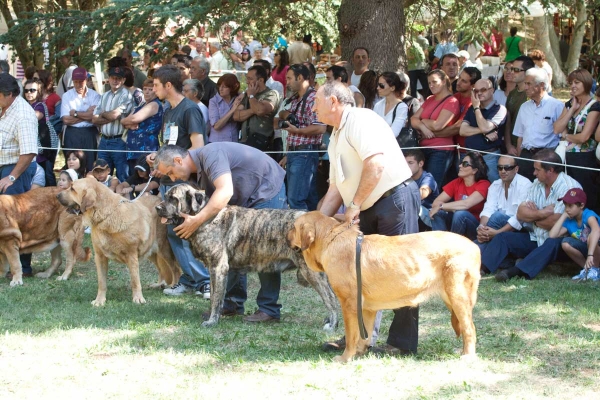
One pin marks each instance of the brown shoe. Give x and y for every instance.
(260, 316)
(390, 350)
(225, 312)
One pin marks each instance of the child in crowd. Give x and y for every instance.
(581, 226)
(137, 181)
(76, 161)
(101, 172)
(66, 179)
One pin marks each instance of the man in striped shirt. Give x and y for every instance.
(115, 104)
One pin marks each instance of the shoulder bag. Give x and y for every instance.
(407, 138)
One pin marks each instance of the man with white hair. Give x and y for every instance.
(199, 49)
(218, 62)
(464, 60)
(199, 70)
(534, 127)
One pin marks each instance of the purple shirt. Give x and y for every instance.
(217, 108)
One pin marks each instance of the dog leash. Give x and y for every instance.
(139, 195)
(361, 322)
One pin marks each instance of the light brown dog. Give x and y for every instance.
(123, 231)
(397, 271)
(35, 222)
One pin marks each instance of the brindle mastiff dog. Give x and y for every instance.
(34, 222)
(242, 239)
(397, 271)
(123, 231)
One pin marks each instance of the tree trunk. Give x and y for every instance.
(542, 39)
(578, 34)
(554, 43)
(376, 25)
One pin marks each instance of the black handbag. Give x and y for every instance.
(407, 137)
(258, 141)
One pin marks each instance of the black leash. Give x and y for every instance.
(361, 322)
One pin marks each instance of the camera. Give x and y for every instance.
(291, 119)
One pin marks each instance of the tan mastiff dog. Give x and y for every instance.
(397, 271)
(123, 231)
(35, 222)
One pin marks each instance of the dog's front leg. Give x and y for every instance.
(56, 260)
(218, 283)
(134, 273)
(11, 252)
(351, 326)
(102, 272)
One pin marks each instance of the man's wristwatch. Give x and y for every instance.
(354, 206)
(75, 114)
(251, 96)
(11, 178)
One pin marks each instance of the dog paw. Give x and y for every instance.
(98, 302)
(469, 357)
(209, 323)
(62, 277)
(139, 300)
(340, 359)
(158, 285)
(43, 275)
(16, 282)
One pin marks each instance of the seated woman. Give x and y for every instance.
(468, 193)
(440, 110)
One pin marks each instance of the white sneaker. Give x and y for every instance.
(204, 291)
(177, 290)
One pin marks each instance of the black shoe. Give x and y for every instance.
(507, 274)
(484, 271)
(337, 345)
(389, 350)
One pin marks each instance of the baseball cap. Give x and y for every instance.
(464, 54)
(117, 71)
(574, 196)
(141, 164)
(79, 74)
(100, 164)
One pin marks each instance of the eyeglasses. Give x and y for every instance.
(381, 86)
(506, 167)
(29, 90)
(465, 164)
(481, 91)
(516, 70)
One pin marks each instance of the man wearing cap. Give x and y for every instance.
(199, 70)
(19, 133)
(76, 110)
(115, 104)
(540, 211)
(137, 181)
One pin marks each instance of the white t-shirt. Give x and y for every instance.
(355, 79)
(362, 134)
(401, 115)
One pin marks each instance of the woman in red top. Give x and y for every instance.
(440, 110)
(282, 64)
(48, 96)
(458, 207)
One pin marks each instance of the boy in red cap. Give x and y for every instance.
(580, 226)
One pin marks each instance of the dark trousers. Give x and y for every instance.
(397, 214)
(587, 179)
(84, 139)
(421, 76)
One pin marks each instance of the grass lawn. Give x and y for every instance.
(537, 339)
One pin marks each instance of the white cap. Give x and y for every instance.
(72, 174)
(464, 54)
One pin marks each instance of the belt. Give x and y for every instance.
(392, 190)
(534, 150)
(304, 147)
(111, 137)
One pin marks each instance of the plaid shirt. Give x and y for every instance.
(306, 118)
(18, 132)
(110, 101)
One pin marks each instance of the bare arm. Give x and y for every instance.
(372, 169)
(331, 201)
(588, 129)
(20, 167)
(146, 112)
(558, 229)
(313, 129)
(197, 140)
(441, 122)
(560, 125)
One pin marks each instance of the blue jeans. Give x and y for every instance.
(194, 274)
(437, 163)
(19, 186)
(301, 174)
(576, 244)
(270, 282)
(116, 160)
(491, 160)
(460, 222)
(496, 221)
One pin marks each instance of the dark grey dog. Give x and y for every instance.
(242, 239)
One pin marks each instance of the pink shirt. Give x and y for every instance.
(281, 76)
(432, 111)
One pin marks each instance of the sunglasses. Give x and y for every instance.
(465, 164)
(481, 91)
(381, 86)
(29, 90)
(516, 70)
(506, 167)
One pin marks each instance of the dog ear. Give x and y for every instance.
(88, 200)
(307, 236)
(199, 201)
